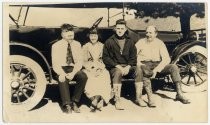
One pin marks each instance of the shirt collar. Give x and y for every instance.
(66, 42)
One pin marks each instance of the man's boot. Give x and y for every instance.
(148, 88)
(117, 93)
(179, 96)
(139, 101)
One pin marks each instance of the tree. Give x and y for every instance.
(162, 10)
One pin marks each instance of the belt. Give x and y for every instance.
(147, 61)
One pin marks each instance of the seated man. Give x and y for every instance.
(119, 57)
(67, 63)
(153, 53)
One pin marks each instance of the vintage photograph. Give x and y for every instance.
(105, 62)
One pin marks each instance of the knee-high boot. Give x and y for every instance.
(117, 93)
(148, 88)
(139, 100)
(179, 96)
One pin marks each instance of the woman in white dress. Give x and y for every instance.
(98, 87)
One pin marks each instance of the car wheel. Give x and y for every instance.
(27, 83)
(193, 69)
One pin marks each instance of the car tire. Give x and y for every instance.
(193, 69)
(27, 83)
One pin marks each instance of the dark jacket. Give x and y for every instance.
(112, 56)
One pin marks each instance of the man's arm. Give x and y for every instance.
(108, 55)
(132, 55)
(165, 58)
(55, 55)
(138, 46)
(78, 59)
(86, 63)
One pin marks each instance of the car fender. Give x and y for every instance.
(17, 48)
(186, 46)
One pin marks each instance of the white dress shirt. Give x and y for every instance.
(59, 53)
(152, 51)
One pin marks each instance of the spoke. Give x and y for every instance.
(20, 71)
(29, 88)
(32, 85)
(194, 57)
(181, 65)
(195, 79)
(12, 70)
(32, 81)
(199, 76)
(201, 72)
(202, 67)
(189, 59)
(200, 61)
(25, 94)
(188, 79)
(26, 75)
(182, 70)
(184, 61)
(18, 98)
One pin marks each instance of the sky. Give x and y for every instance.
(77, 17)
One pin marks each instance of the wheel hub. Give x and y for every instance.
(193, 69)
(15, 84)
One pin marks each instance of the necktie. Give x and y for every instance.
(69, 57)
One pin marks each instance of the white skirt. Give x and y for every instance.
(98, 85)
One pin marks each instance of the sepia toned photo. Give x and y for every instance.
(105, 62)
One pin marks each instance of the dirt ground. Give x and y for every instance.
(167, 110)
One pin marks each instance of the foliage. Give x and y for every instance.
(162, 10)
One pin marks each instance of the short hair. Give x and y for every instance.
(121, 21)
(66, 27)
(156, 30)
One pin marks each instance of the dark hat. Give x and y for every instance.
(93, 31)
(121, 21)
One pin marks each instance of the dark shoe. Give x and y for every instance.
(75, 108)
(182, 99)
(94, 102)
(93, 110)
(67, 109)
(95, 105)
(151, 104)
(140, 103)
(100, 104)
